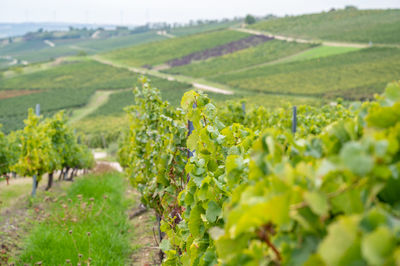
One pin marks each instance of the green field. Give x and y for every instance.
(88, 221)
(377, 26)
(86, 74)
(38, 51)
(321, 51)
(160, 52)
(354, 75)
(263, 53)
(102, 45)
(67, 86)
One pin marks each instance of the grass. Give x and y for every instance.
(97, 100)
(100, 131)
(16, 189)
(263, 53)
(162, 51)
(363, 26)
(321, 51)
(353, 75)
(88, 224)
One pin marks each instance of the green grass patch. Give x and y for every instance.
(10, 193)
(260, 54)
(162, 51)
(321, 51)
(93, 204)
(378, 26)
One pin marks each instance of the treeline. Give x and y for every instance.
(43, 146)
(246, 188)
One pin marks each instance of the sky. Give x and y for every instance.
(135, 12)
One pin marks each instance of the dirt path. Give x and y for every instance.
(196, 83)
(49, 43)
(98, 99)
(165, 33)
(299, 40)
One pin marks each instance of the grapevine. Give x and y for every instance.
(254, 193)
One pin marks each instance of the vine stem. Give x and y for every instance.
(264, 234)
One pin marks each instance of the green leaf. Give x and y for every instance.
(318, 202)
(195, 222)
(188, 99)
(355, 158)
(341, 246)
(378, 246)
(165, 245)
(392, 92)
(192, 141)
(213, 211)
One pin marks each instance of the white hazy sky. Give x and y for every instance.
(142, 11)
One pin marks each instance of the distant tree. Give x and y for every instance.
(70, 28)
(250, 19)
(350, 7)
(122, 28)
(40, 30)
(269, 16)
(81, 53)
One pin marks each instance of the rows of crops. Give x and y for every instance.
(260, 54)
(243, 189)
(160, 52)
(38, 51)
(353, 75)
(69, 86)
(43, 146)
(377, 26)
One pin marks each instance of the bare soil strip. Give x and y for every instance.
(143, 71)
(15, 93)
(220, 50)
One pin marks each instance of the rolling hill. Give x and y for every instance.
(321, 63)
(352, 25)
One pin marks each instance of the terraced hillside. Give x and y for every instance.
(195, 29)
(354, 75)
(256, 55)
(161, 52)
(38, 50)
(66, 86)
(352, 25)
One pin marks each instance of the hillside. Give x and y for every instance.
(216, 56)
(67, 86)
(39, 49)
(363, 26)
(353, 76)
(163, 51)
